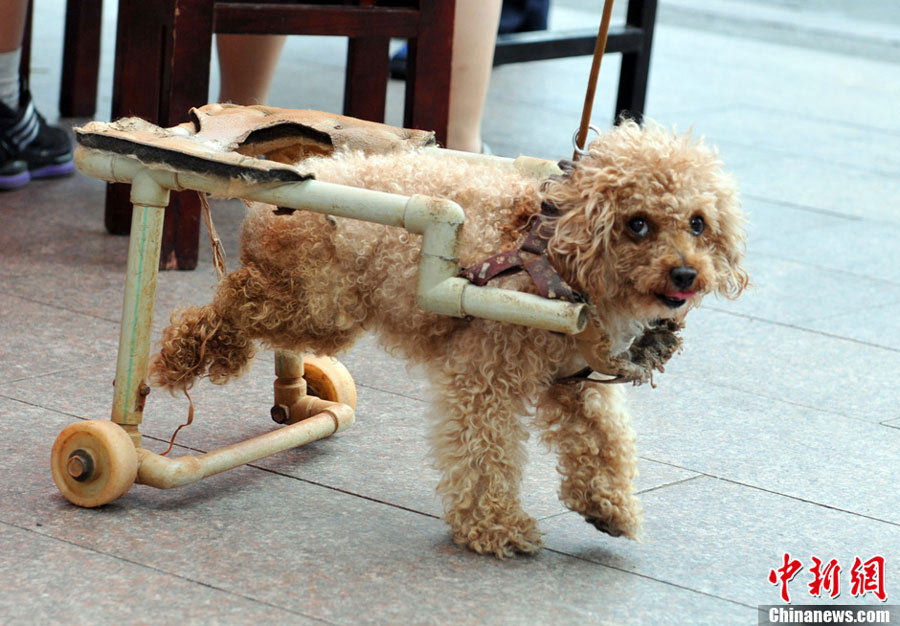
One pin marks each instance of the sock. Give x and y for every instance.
(9, 78)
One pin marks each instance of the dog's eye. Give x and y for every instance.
(638, 227)
(697, 225)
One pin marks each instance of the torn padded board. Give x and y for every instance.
(222, 140)
(255, 130)
(177, 149)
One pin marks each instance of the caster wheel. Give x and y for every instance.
(327, 378)
(93, 462)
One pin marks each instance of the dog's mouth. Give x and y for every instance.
(675, 299)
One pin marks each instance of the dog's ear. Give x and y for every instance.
(730, 241)
(583, 230)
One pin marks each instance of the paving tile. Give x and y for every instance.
(867, 248)
(98, 292)
(792, 292)
(221, 417)
(854, 145)
(653, 475)
(383, 456)
(833, 187)
(856, 30)
(810, 136)
(804, 453)
(41, 248)
(27, 433)
(37, 339)
(723, 539)
(66, 258)
(44, 581)
(692, 71)
(775, 226)
(728, 74)
(784, 363)
(338, 558)
(75, 201)
(879, 325)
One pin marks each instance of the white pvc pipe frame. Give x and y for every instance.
(439, 221)
(439, 290)
(162, 472)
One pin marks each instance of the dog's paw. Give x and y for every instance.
(604, 527)
(501, 538)
(655, 347)
(620, 519)
(629, 531)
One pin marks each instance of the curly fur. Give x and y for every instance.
(312, 283)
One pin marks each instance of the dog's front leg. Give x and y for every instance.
(588, 426)
(477, 438)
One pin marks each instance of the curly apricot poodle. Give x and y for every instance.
(643, 227)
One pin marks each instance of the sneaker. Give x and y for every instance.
(13, 172)
(29, 147)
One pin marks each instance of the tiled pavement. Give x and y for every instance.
(776, 431)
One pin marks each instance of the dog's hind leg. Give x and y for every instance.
(589, 428)
(197, 341)
(477, 439)
(297, 311)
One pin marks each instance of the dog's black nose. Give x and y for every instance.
(683, 277)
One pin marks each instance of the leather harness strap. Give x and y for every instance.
(583, 376)
(530, 256)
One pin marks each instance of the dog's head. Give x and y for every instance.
(649, 221)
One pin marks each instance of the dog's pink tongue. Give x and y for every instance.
(681, 295)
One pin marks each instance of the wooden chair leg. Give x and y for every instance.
(162, 70)
(365, 83)
(428, 71)
(636, 65)
(81, 58)
(25, 61)
(136, 80)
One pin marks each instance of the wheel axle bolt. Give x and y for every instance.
(80, 465)
(280, 413)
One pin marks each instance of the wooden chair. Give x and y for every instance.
(162, 70)
(633, 40)
(163, 53)
(81, 57)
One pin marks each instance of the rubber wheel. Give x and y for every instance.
(327, 378)
(93, 462)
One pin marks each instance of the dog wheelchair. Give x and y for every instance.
(239, 152)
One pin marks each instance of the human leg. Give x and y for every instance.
(246, 66)
(474, 38)
(29, 147)
(12, 26)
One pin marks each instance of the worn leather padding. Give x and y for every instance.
(224, 140)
